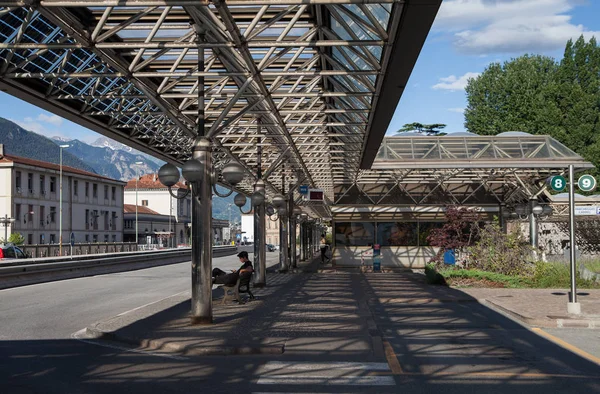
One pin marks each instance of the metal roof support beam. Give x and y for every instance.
(247, 56)
(72, 26)
(148, 3)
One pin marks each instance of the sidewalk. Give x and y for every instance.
(543, 307)
(297, 312)
(335, 314)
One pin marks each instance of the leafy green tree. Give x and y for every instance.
(428, 129)
(16, 238)
(538, 95)
(511, 96)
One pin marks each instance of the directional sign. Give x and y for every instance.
(303, 189)
(72, 239)
(586, 183)
(558, 183)
(592, 210)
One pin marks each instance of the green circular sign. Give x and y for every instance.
(558, 183)
(586, 183)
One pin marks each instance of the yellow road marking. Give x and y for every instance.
(566, 345)
(392, 359)
(503, 375)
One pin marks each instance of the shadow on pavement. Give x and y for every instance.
(342, 332)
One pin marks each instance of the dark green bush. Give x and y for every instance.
(432, 276)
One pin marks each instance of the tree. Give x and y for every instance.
(512, 96)
(459, 230)
(427, 129)
(16, 238)
(538, 95)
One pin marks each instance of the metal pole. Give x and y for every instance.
(260, 279)
(533, 227)
(202, 212)
(137, 175)
(5, 228)
(170, 213)
(60, 208)
(501, 218)
(292, 224)
(283, 231)
(573, 306)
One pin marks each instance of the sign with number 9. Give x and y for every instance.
(586, 183)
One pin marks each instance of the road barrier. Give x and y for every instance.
(31, 271)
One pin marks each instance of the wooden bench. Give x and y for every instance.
(241, 286)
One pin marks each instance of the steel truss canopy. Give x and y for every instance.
(312, 84)
(461, 169)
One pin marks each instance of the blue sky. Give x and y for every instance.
(467, 35)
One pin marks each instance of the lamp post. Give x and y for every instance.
(6, 221)
(199, 173)
(137, 175)
(60, 207)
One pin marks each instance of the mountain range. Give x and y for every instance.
(104, 157)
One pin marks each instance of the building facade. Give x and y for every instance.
(157, 205)
(92, 205)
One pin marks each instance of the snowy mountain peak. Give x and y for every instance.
(61, 139)
(104, 142)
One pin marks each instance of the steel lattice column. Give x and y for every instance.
(259, 239)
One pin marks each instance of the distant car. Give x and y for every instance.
(270, 248)
(10, 252)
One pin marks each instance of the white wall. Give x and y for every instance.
(248, 227)
(158, 201)
(391, 256)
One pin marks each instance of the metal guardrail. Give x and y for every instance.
(30, 271)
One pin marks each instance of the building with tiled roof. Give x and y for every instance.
(92, 205)
(152, 196)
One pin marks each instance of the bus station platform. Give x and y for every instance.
(353, 316)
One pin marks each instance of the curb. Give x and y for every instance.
(548, 322)
(182, 349)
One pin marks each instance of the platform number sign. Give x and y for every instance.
(586, 183)
(558, 183)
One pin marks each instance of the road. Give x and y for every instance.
(55, 310)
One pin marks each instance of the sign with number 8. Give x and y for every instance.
(558, 183)
(586, 183)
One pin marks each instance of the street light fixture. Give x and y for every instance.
(137, 176)
(6, 221)
(60, 237)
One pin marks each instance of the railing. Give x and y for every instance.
(20, 272)
(52, 250)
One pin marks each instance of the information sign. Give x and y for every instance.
(587, 210)
(72, 239)
(586, 183)
(303, 189)
(558, 183)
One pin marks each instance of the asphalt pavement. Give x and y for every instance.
(342, 332)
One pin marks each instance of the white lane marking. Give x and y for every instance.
(151, 303)
(298, 365)
(326, 373)
(80, 336)
(330, 381)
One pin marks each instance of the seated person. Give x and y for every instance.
(223, 278)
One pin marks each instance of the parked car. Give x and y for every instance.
(9, 251)
(270, 247)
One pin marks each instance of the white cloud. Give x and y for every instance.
(454, 83)
(52, 119)
(457, 110)
(40, 124)
(509, 26)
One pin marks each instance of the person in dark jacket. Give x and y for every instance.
(223, 278)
